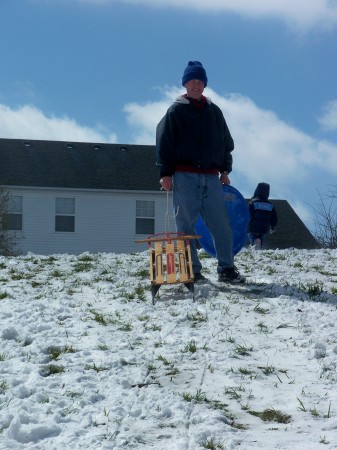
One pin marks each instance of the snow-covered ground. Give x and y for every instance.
(87, 362)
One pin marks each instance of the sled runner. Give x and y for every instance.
(170, 260)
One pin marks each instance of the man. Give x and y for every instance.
(194, 149)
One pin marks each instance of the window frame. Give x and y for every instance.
(145, 217)
(13, 214)
(65, 215)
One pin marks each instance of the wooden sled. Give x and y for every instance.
(170, 261)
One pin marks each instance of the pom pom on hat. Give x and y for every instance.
(194, 71)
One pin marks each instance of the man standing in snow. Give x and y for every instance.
(194, 152)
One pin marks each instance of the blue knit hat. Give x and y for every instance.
(194, 71)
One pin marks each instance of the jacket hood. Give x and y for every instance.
(262, 191)
(185, 101)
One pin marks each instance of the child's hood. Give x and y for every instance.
(262, 191)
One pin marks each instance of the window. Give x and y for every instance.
(12, 218)
(65, 214)
(144, 217)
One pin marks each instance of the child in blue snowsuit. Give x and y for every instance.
(263, 216)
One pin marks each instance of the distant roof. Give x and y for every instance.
(77, 165)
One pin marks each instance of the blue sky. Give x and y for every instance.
(107, 70)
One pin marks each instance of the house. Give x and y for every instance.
(75, 197)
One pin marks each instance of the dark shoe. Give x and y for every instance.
(199, 278)
(231, 275)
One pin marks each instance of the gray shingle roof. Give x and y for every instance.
(77, 165)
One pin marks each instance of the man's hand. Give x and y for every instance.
(166, 183)
(224, 178)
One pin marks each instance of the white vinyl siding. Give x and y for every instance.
(104, 222)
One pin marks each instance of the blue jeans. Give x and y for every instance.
(194, 194)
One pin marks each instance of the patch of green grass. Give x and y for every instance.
(233, 393)
(204, 255)
(197, 318)
(3, 386)
(173, 372)
(212, 444)
(191, 347)
(52, 369)
(242, 350)
(323, 440)
(261, 310)
(16, 276)
(56, 274)
(143, 274)
(155, 327)
(73, 394)
(98, 317)
(298, 265)
(102, 347)
(314, 412)
(263, 328)
(245, 371)
(312, 289)
(86, 258)
(95, 368)
(55, 352)
(140, 293)
(83, 267)
(272, 415)
(165, 361)
(199, 396)
(267, 370)
(144, 318)
(126, 326)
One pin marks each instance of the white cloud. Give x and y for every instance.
(144, 118)
(300, 13)
(328, 120)
(27, 122)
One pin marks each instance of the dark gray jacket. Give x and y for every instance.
(186, 135)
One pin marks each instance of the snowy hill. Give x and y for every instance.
(87, 362)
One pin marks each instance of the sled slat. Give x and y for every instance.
(159, 263)
(152, 265)
(170, 263)
(182, 261)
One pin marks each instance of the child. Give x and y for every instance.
(263, 216)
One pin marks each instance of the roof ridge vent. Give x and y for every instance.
(69, 145)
